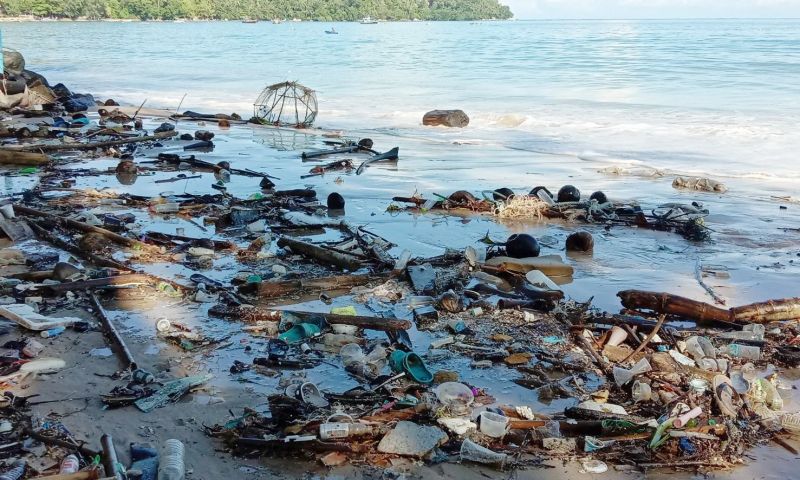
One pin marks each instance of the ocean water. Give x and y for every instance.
(551, 102)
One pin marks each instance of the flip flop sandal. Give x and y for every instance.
(310, 394)
(726, 397)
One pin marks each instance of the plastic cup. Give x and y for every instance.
(618, 335)
(472, 452)
(7, 211)
(351, 353)
(493, 424)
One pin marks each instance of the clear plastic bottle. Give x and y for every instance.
(171, 465)
(170, 207)
(16, 471)
(744, 351)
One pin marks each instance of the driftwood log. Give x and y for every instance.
(112, 333)
(93, 145)
(83, 227)
(447, 118)
(763, 312)
(321, 254)
(13, 157)
(255, 314)
(336, 282)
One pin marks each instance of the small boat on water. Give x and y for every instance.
(368, 21)
(332, 31)
(277, 21)
(249, 20)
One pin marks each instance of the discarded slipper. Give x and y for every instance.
(726, 397)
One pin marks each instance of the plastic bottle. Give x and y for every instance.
(16, 471)
(69, 465)
(336, 430)
(53, 332)
(744, 351)
(171, 466)
(170, 207)
(543, 195)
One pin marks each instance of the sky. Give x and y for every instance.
(531, 9)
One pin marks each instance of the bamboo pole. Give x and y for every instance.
(92, 145)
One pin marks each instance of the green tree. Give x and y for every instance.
(325, 10)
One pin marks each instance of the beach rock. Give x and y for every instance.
(165, 127)
(700, 184)
(447, 118)
(412, 440)
(204, 135)
(13, 62)
(79, 102)
(187, 136)
(62, 91)
(663, 362)
(111, 103)
(580, 242)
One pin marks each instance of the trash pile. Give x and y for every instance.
(668, 382)
(567, 205)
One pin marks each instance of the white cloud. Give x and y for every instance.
(654, 8)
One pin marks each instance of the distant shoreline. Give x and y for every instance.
(200, 20)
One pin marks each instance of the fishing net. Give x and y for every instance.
(287, 104)
(521, 206)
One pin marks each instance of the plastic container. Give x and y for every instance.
(15, 472)
(171, 465)
(69, 465)
(457, 397)
(472, 452)
(493, 424)
(744, 351)
(163, 325)
(352, 354)
(53, 332)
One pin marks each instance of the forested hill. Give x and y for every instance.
(323, 10)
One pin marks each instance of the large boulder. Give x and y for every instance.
(447, 118)
(79, 102)
(412, 440)
(13, 62)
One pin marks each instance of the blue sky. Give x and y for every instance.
(525, 9)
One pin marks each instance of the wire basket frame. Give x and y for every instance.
(287, 104)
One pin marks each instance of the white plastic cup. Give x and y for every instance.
(7, 211)
(351, 353)
(618, 335)
(493, 424)
(473, 452)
